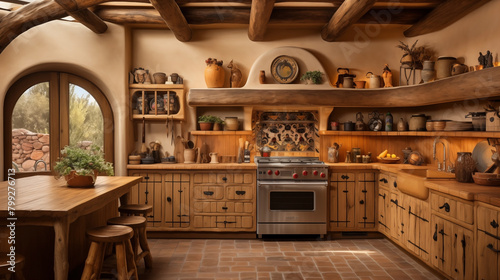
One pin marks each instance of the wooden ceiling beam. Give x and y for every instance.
(241, 15)
(26, 17)
(173, 17)
(84, 16)
(260, 13)
(443, 15)
(346, 15)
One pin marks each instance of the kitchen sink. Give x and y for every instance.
(429, 173)
(412, 181)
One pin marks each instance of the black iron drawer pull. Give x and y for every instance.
(383, 180)
(395, 184)
(435, 236)
(224, 179)
(490, 246)
(208, 192)
(224, 208)
(344, 177)
(494, 224)
(361, 202)
(169, 199)
(446, 207)
(241, 192)
(383, 196)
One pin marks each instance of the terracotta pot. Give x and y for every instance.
(206, 126)
(77, 181)
(214, 76)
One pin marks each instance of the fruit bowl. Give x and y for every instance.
(388, 160)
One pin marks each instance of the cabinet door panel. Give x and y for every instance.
(463, 253)
(342, 210)
(384, 211)
(487, 258)
(365, 199)
(442, 244)
(149, 191)
(395, 224)
(177, 203)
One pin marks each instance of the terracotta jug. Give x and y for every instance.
(214, 76)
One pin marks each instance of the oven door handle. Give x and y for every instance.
(292, 183)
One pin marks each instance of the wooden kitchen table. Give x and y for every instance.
(45, 201)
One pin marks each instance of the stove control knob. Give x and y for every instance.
(277, 172)
(295, 175)
(269, 172)
(304, 173)
(315, 172)
(322, 175)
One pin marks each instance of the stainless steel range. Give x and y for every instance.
(291, 195)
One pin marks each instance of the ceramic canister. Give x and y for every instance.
(417, 122)
(443, 66)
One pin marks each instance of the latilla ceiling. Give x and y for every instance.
(334, 17)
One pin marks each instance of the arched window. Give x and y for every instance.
(46, 111)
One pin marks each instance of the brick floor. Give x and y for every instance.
(185, 259)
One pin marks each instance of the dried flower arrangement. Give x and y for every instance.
(213, 61)
(415, 56)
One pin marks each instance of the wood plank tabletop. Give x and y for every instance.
(45, 196)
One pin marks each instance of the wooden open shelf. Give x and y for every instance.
(157, 90)
(473, 85)
(476, 134)
(218, 133)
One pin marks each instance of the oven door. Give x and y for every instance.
(294, 207)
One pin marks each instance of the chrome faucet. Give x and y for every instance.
(440, 167)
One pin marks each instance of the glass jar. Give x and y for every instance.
(464, 167)
(354, 153)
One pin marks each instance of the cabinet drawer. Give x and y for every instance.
(387, 181)
(343, 177)
(221, 221)
(487, 220)
(453, 207)
(223, 207)
(208, 192)
(239, 192)
(204, 178)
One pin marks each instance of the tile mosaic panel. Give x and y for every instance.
(287, 131)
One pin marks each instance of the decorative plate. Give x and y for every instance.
(284, 69)
(388, 160)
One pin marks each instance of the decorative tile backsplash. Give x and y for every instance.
(287, 131)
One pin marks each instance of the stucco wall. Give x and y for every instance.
(102, 59)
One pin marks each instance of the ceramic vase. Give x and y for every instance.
(231, 123)
(443, 67)
(214, 76)
(428, 73)
(464, 167)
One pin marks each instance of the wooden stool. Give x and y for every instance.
(135, 209)
(4, 267)
(109, 235)
(139, 225)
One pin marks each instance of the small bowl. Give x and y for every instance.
(429, 125)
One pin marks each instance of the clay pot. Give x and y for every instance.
(428, 73)
(464, 167)
(231, 123)
(443, 67)
(77, 181)
(214, 76)
(159, 78)
(206, 126)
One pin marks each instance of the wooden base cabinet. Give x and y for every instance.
(176, 200)
(452, 249)
(417, 223)
(224, 201)
(352, 201)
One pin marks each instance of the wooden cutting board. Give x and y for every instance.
(179, 149)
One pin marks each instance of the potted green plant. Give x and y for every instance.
(81, 166)
(314, 77)
(206, 122)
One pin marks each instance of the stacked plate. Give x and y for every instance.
(458, 126)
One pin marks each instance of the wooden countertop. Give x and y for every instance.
(45, 196)
(487, 194)
(194, 166)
